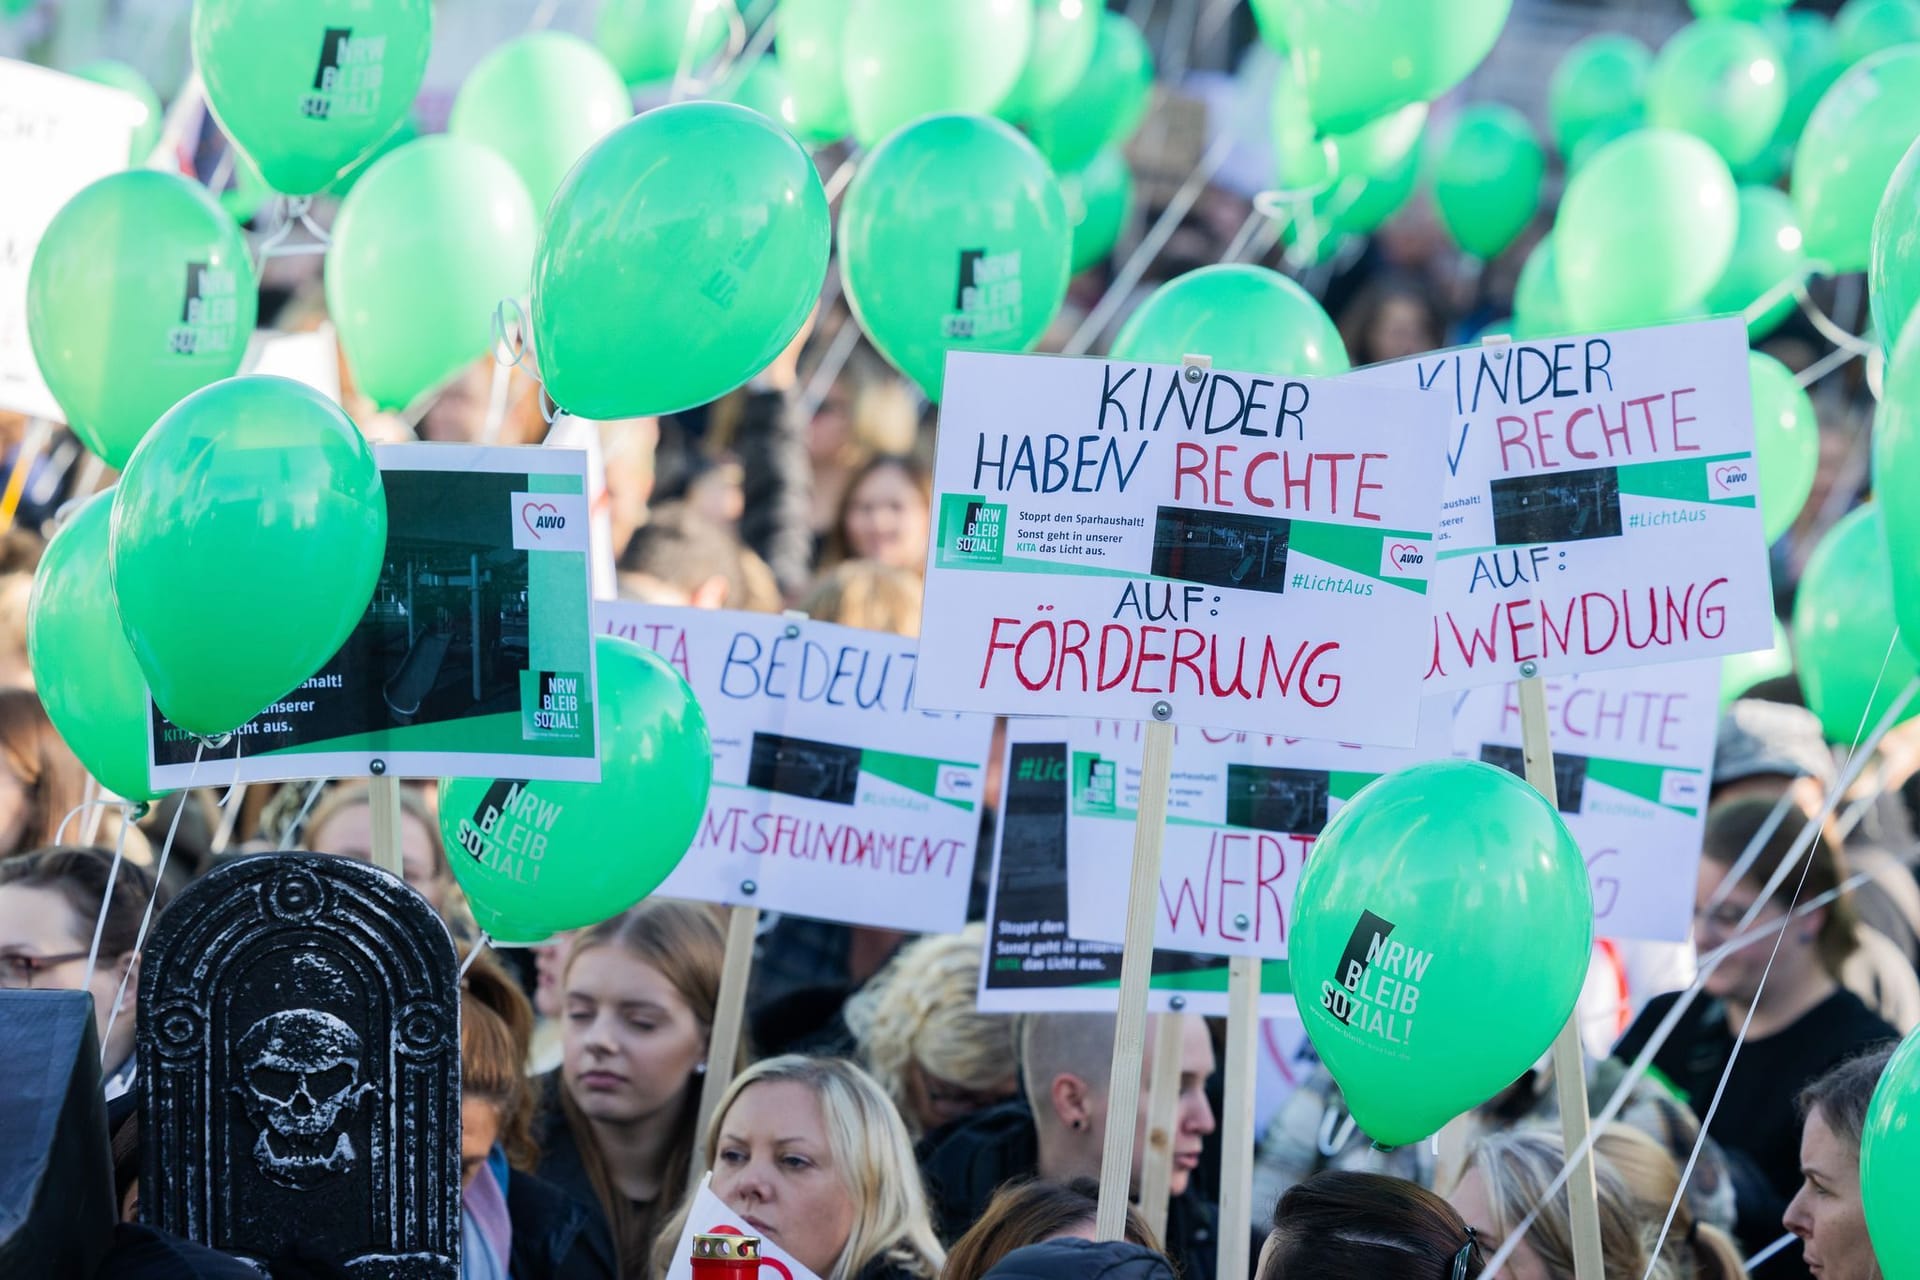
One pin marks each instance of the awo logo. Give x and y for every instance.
(1730, 479)
(957, 782)
(1403, 559)
(549, 522)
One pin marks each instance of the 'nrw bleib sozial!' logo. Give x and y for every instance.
(209, 312)
(986, 297)
(346, 83)
(1376, 990)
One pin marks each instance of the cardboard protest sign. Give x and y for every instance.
(475, 656)
(832, 796)
(1033, 963)
(1250, 550)
(57, 134)
(711, 1216)
(1602, 503)
(1633, 762)
(1243, 812)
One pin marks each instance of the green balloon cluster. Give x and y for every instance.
(1721, 80)
(1538, 310)
(1099, 199)
(1598, 93)
(808, 52)
(1487, 181)
(1767, 258)
(1107, 103)
(1843, 625)
(540, 101)
(650, 41)
(1786, 442)
(1848, 152)
(1247, 318)
(1064, 33)
(905, 59)
(1811, 56)
(1863, 28)
(1893, 254)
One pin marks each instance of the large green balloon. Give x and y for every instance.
(307, 87)
(1362, 58)
(83, 670)
(1896, 473)
(696, 232)
(1064, 32)
(1599, 87)
(1893, 256)
(905, 59)
(541, 101)
(1852, 144)
(538, 857)
(426, 246)
(1098, 199)
(1863, 28)
(141, 291)
(1843, 625)
(953, 237)
(1434, 896)
(651, 40)
(1645, 229)
(1487, 181)
(1720, 79)
(1107, 104)
(1740, 672)
(1751, 10)
(809, 54)
(1890, 1164)
(1786, 442)
(1379, 147)
(1247, 318)
(1766, 255)
(1538, 309)
(119, 75)
(248, 533)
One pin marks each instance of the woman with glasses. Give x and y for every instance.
(1803, 1022)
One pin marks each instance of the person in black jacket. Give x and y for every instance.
(1065, 1063)
(1083, 1260)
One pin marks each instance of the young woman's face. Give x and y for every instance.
(349, 833)
(631, 1040)
(887, 520)
(479, 1130)
(1470, 1199)
(36, 924)
(1826, 1212)
(775, 1169)
(1737, 976)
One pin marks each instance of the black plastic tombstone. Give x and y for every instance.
(299, 1042)
(56, 1176)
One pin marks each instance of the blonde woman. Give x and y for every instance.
(809, 1152)
(937, 1056)
(1695, 1250)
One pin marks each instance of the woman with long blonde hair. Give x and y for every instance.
(1695, 1250)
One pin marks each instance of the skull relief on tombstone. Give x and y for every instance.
(303, 1084)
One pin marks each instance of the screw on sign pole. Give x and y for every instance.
(1136, 959)
(383, 796)
(1569, 1062)
(723, 1045)
(1236, 1148)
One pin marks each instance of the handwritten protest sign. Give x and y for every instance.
(1633, 760)
(1033, 962)
(832, 796)
(475, 656)
(1251, 550)
(57, 134)
(1602, 503)
(711, 1216)
(1243, 812)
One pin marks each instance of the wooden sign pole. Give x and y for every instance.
(1163, 1098)
(383, 795)
(729, 1015)
(1236, 1147)
(1569, 1062)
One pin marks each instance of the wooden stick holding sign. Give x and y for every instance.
(1163, 1100)
(1236, 1150)
(729, 1014)
(1569, 1060)
(383, 797)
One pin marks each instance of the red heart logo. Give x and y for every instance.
(526, 514)
(1720, 475)
(1397, 550)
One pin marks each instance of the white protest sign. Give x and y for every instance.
(57, 134)
(1602, 503)
(832, 797)
(1633, 762)
(711, 1216)
(1243, 812)
(569, 432)
(310, 357)
(1250, 550)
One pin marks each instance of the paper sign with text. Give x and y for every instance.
(1033, 963)
(1243, 812)
(711, 1216)
(1633, 762)
(475, 657)
(1602, 503)
(1251, 549)
(832, 796)
(57, 134)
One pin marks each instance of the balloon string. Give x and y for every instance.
(543, 16)
(280, 243)
(730, 77)
(837, 181)
(684, 81)
(1788, 287)
(1824, 323)
(838, 352)
(1767, 1253)
(1835, 359)
(473, 953)
(293, 832)
(1749, 855)
(106, 900)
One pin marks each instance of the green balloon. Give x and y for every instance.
(698, 229)
(1843, 626)
(1847, 155)
(249, 193)
(1645, 229)
(808, 51)
(1107, 104)
(141, 291)
(1896, 472)
(953, 237)
(248, 533)
(905, 59)
(1786, 442)
(1766, 253)
(118, 75)
(592, 860)
(1437, 894)
(1720, 79)
(409, 131)
(1363, 58)
(649, 41)
(762, 88)
(1098, 198)
(1538, 309)
(1487, 181)
(1247, 318)
(426, 246)
(1064, 32)
(1811, 55)
(1890, 1163)
(83, 670)
(1355, 205)
(307, 87)
(1740, 672)
(1863, 28)
(1893, 255)
(541, 101)
(1304, 161)
(1600, 85)
(1751, 10)
(1379, 147)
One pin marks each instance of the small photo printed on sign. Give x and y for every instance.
(1570, 507)
(1569, 772)
(1268, 798)
(1216, 549)
(1731, 478)
(550, 522)
(798, 767)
